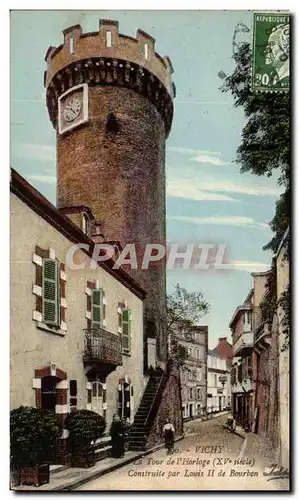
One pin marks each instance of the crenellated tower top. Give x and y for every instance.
(108, 57)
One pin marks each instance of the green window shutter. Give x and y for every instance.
(51, 293)
(103, 305)
(96, 308)
(126, 334)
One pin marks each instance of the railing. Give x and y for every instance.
(194, 360)
(154, 399)
(102, 346)
(262, 331)
(158, 394)
(244, 341)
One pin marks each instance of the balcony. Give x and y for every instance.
(194, 361)
(244, 344)
(262, 337)
(246, 385)
(102, 349)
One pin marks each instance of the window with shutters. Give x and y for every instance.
(97, 308)
(126, 331)
(51, 293)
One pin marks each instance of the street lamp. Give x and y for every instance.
(222, 380)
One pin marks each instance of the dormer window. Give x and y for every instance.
(72, 45)
(108, 38)
(146, 53)
(84, 223)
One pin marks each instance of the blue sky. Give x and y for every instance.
(208, 200)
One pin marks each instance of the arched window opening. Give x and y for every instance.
(84, 223)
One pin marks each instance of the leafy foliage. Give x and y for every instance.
(265, 148)
(284, 304)
(184, 310)
(33, 436)
(265, 145)
(268, 304)
(84, 426)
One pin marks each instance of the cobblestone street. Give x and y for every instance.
(206, 459)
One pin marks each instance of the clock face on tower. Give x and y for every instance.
(73, 108)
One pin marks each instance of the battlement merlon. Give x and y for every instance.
(109, 43)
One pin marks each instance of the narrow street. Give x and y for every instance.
(206, 459)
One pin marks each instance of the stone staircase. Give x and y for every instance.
(146, 412)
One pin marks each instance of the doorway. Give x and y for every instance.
(49, 393)
(191, 411)
(97, 397)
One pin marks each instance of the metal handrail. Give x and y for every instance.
(162, 377)
(261, 331)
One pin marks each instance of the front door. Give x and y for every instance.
(48, 389)
(191, 411)
(97, 397)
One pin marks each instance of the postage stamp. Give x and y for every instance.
(119, 380)
(270, 52)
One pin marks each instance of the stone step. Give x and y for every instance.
(138, 439)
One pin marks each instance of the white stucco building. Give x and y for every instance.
(194, 372)
(76, 337)
(219, 384)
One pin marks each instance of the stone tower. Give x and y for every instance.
(110, 99)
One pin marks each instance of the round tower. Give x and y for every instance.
(110, 99)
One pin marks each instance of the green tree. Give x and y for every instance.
(184, 310)
(265, 148)
(285, 304)
(265, 145)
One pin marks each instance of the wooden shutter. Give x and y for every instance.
(103, 305)
(126, 333)
(96, 308)
(51, 304)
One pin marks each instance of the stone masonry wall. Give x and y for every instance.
(170, 407)
(122, 179)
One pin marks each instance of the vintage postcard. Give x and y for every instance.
(150, 241)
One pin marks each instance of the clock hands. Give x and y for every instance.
(72, 109)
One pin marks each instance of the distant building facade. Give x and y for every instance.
(219, 387)
(224, 349)
(241, 372)
(194, 372)
(260, 368)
